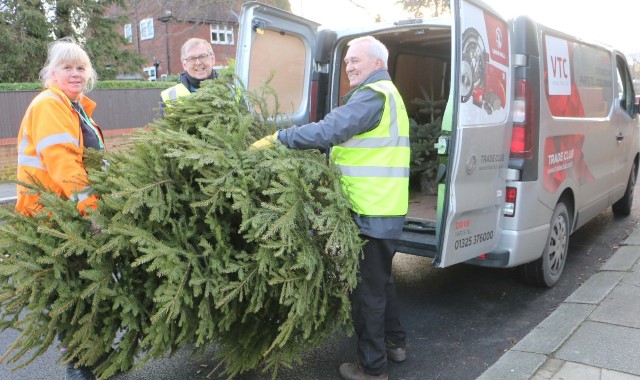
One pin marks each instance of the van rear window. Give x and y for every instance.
(578, 78)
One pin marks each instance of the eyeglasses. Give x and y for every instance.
(201, 58)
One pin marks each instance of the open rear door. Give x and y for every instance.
(478, 148)
(276, 47)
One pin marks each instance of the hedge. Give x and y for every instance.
(35, 86)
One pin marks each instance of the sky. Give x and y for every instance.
(613, 22)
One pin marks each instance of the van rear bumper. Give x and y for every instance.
(515, 248)
(494, 259)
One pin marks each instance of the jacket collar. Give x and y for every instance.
(88, 104)
(191, 83)
(378, 75)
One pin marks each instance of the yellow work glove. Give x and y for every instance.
(265, 142)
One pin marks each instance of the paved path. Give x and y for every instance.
(7, 192)
(593, 334)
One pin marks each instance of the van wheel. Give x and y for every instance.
(623, 206)
(546, 271)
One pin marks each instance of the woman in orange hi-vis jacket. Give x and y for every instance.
(56, 129)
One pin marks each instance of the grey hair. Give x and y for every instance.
(375, 48)
(191, 42)
(66, 50)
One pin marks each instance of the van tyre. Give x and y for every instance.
(623, 206)
(546, 271)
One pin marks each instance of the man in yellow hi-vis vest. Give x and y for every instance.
(369, 142)
(198, 59)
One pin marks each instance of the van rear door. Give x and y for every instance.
(480, 134)
(277, 47)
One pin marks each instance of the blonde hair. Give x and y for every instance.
(191, 42)
(375, 48)
(66, 50)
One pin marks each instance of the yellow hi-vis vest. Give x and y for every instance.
(375, 164)
(173, 93)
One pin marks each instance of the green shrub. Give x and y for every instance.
(35, 86)
(424, 132)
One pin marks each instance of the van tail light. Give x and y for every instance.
(510, 201)
(523, 120)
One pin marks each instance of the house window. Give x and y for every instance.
(146, 29)
(127, 33)
(221, 34)
(151, 73)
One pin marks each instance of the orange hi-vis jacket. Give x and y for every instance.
(50, 151)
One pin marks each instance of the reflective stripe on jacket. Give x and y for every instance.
(375, 164)
(173, 93)
(50, 151)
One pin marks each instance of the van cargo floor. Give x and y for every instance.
(419, 234)
(422, 206)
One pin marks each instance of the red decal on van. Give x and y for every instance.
(563, 158)
(498, 36)
(460, 224)
(566, 105)
(559, 75)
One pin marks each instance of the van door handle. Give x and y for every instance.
(619, 136)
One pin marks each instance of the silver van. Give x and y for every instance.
(520, 133)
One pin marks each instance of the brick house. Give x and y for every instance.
(156, 29)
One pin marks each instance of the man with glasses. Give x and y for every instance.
(197, 60)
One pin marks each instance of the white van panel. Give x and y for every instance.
(524, 245)
(530, 211)
(480, 134)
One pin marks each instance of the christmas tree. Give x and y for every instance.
(202, 241)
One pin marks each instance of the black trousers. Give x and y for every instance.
(374, 307)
